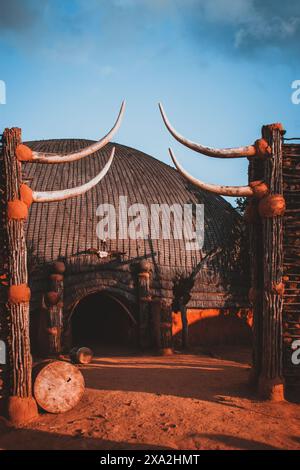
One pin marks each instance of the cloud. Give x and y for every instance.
(16, 15)
(229, 27)
(243, 26)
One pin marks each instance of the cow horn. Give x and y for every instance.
(41, 157)
(51, 196)
(248, 151)
(236, 191)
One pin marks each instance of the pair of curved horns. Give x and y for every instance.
(51, 196)
(60, 195)
(235, 191)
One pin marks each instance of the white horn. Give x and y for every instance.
(248, 151)
(236, 191)
(51, 196)
(41, 157)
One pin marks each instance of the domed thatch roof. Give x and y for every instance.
(67, 229)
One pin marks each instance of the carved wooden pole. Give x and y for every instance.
(18, 197)
(271, 209)
(155, 323)
(144, 297)
(166, 328)
(161, 316)
(21, 405)
(255, 173)
(53, 301)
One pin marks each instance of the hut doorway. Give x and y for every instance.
(104, 323)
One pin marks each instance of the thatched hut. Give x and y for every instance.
(103, 279)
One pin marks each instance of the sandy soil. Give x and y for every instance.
(178, 402)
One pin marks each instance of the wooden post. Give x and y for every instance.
(255, 173)
(53, 307)
(271, 209)
(21, 405)
(144, 298)
(4, 276)
(155, 323)
(166, 328)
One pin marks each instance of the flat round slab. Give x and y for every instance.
(58, 386)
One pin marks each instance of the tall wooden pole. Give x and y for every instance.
(161, 316)
(4, 319)
(271, 209)
(144, 299)
(53, 308)
(255, 173)
(166, 328)
(21, 405)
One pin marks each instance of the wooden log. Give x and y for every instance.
(58, 386)
(81, 355)
(271, 382)
(21, 405)
(255, 172)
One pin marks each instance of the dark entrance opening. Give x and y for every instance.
(103, 322)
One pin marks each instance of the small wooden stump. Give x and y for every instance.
(58, 386)
(81, 355)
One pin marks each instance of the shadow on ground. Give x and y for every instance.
(239, 442)
(201, 378)
(27, 439)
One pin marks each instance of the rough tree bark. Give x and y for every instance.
(271, 382)
(21, 405)
(256, 173)
(4, 318)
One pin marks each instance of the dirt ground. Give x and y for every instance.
(184, 401)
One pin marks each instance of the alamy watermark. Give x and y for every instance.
(2, 352)
(296, 352)
(2, 92)
(138, 221)
(295, 97)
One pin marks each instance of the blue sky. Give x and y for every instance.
(221, 68)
